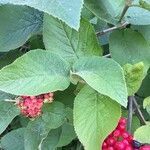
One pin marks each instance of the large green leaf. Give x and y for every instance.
(13, 140)
(66, 10)
(59, 137)
(70, 44)
(35, 132)
(106, 10)
(36, 72)
(18, 23)
(95, 117)
(128, 46)
(142, 134)
(134, 75)
(8, 112)
(138, 16)
(54, 114)
(104, 75)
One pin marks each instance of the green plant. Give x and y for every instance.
(70, 69)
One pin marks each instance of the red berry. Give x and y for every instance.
(116, 133)
(110, 148)
(126, 142)
(110, 141)
(119, 146)
(123, 120)
(128, 148)
(145, 147)
(104, 145)
(122, 127)
(125, 135)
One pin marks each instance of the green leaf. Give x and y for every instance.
(59, 137)
(35, 132)
(104, 75)
(8, 112)
(106, 10)
(36, 72)
(19, 23)
(134, 75)
(54, 114)
(95, 117)
(68, 43)
(142, 134)
(13, 140)
(138, 16)
(145, 4)
(145, 31)
(67, 96)
(66, 10)
(128, 46)
(146, 104)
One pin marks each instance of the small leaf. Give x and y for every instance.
(138, 16)
(66, 10)
(128, 46)
(68, 43)
(104, 75)
(34, 73)
(13, 140)
(95, 117)
(134, 75)
(19, 23)
(8, 112)
(142, 134)
(106, 10)
(59, 137)
(54, 114)
(146, 104)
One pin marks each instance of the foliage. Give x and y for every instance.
(94, 56)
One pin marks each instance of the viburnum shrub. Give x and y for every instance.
(74, 75)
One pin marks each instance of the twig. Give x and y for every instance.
(130, 113)
(138, 112)
(10, 100)
(107, 56)
(123, 25)
(127, 5)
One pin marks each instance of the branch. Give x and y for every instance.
(127, 5)
(138, 112)
(123, 25)
(10, 100)
(107, 56)
(130, 113)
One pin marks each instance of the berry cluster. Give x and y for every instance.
(31, 106)
(119, 139)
